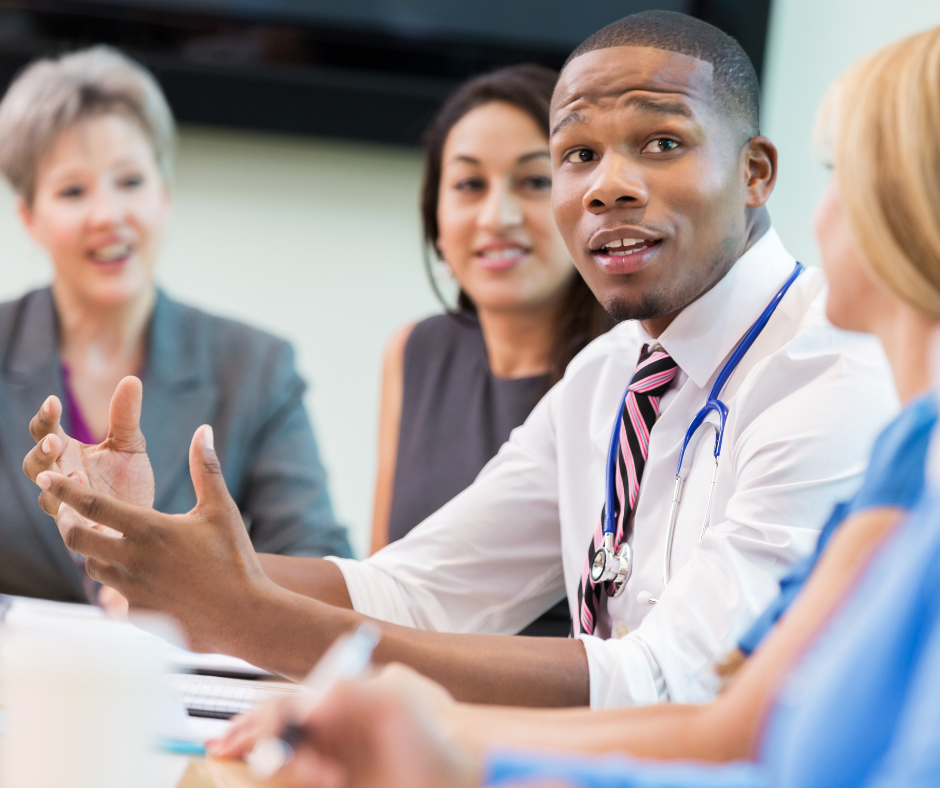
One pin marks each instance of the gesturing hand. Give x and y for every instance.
(199, 567)
(119, 466)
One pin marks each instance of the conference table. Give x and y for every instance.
(212, 773)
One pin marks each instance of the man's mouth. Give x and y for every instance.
(622, 247)
(626, 255)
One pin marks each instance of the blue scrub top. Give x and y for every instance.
(895, 477)
(861, 709)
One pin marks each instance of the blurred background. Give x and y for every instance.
(297, 182)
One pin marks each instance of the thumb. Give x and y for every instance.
(206, 471)
(124, 416)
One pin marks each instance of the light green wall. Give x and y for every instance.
(811, 42)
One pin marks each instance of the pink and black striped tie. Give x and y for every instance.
(654, 373)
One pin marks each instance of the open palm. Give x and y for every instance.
(111, 467)
(118, 466)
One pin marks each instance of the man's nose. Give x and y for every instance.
(616, 184)
(501, 209)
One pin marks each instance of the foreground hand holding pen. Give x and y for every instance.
(377, 732)
(347, 658)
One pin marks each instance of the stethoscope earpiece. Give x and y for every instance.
(646, 598)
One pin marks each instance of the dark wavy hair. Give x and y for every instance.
(529, 88)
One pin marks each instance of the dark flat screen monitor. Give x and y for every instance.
(364, 69)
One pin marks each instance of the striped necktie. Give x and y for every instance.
(654, 373)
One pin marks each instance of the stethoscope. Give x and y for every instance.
(615, 567)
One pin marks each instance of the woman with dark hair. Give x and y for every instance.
(455, 385)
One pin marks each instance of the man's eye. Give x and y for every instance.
(661, 145)
(581, 156)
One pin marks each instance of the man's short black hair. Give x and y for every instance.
(735, 80)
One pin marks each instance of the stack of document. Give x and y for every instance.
(211, 687)
(63, 617)
(222, 698)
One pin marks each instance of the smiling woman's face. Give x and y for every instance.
(494, 212)
(99, 210)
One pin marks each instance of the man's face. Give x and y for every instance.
(649, 179)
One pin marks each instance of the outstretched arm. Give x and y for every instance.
(311, 577)
(726, 729)
(201, 569)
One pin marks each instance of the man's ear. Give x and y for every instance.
(26, 217)
(760, 162)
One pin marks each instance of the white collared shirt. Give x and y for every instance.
(805, 405)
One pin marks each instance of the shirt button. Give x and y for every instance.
(621, 631)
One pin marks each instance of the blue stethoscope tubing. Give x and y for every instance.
(694, 434)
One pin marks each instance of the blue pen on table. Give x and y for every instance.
(180, 747)
(348, 657)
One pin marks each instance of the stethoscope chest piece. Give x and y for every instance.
(613, 568)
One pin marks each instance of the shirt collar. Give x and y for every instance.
(702, 335)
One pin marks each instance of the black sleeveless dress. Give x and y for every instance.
(455, 416)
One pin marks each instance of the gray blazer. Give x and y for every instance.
(200, 369)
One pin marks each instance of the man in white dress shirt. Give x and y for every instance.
(660, 182)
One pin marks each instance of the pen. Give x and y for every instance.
(180, 747)
(348, 657)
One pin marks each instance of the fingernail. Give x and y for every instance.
(46, 445)
(47, 405)
(43, 480)
(207, 439)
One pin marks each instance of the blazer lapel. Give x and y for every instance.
(178, 396)
(30, 374)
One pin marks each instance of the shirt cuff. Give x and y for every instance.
(622, 673)
(375, 594)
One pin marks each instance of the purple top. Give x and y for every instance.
(78, 427)
(80, 431)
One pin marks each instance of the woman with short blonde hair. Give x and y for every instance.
(54, 95)
(87, 142)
